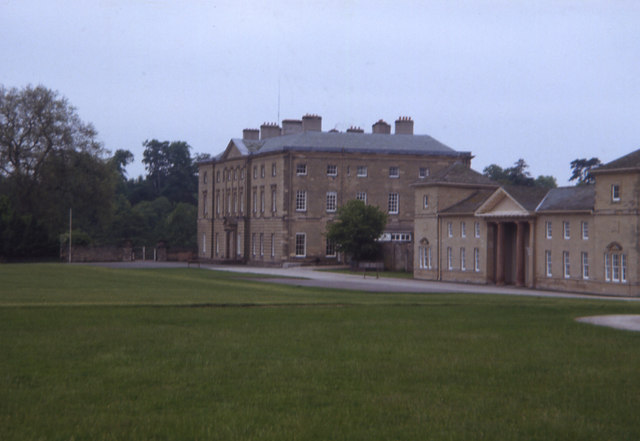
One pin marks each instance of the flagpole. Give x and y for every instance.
(70, 230)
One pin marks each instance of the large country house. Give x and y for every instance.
(581, 239)
(267, 198)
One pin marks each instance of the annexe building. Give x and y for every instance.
(266, 200)
(581, 239)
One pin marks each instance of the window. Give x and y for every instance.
(400, 237)
(273, 169)
(204, 243)
(476, 259)
(566, 265)
(261, 244)
(239, 243)
(218, 176)
(463, 229)
(235, 174)
(547, 227)
(204, 178)
(217, 245)
(274, 201)
(449, 229)
(301, 200)
(423, 172)
(218, 202)
(253, 244)
(255, 171)
(273, 245)
(262, 201)
(623, 262)
(615, 193)
(547, 262)
(255, 200)
(361, 196)
(332, 201)
(425, 201)
(463, 259)
(584, 227)
(241, 199)
(330, 248)
(449, 258)
(393, 203)
(424, 257)
(228, 202)
(301, 169)
(566, 230)
(205, 211)
(476, 229)
(615, 267)
(242, 173)
(607, 267)
(394, 172)
(262, 171)
(362, 171)
(584, 258)
(301, 244)
(235, 201)
(332, 170)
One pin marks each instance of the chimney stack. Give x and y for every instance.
(291, 126)
(311, 123)
(269, 130)
(251, 134)
(404, 125)
(353, 129)
(381, 127)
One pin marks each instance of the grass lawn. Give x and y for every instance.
(91, 353)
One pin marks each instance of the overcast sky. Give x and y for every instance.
(547, 81)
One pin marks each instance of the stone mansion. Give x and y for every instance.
(266, 200)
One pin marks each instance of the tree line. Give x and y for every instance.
(51, 162)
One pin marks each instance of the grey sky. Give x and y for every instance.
(548, 81)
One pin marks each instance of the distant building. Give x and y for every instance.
(266, 200)
(582, 239)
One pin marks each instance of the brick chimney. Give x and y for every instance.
(353, 129)
(311, 123)
(269, 130)
(404, 125)
(381, 127)
(251, 134)
(291, 126)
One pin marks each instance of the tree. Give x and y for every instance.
(171, 170)
(518, 175)
(581, 169)
(356, 230)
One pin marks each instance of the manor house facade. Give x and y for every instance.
(266, 200)
(579, 239)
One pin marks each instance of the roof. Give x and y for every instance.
(348, 142)
(470, 204)
(581, 197)
(630, 161)
(458, 173)
(528, 197)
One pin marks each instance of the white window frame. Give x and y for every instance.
(584, 258)
(253, 244)
(261, 244)
(623, 268)
(425, 201)
(476, 260)
(423, 172)
(449, 258)
(584, 227)
(273, 245)
(361, 171)
(548, 227)
(463, 229)
(332, 201)
(361, 196)
(301, 169)
(615, 267)
(566, 264)
(450, 229)
(204, 243)
(476, 229)
(394, 172)
(301, 245)
(394, 203)
(615, 192)
(463, 259)
(566, 230)
(262, 200)
(548, 263)
(301, 200)
(273, 169)
(274, 199)
(332, 170)
(330, 248)
(607, 267)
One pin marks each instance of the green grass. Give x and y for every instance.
(93, 353)
(386, 274)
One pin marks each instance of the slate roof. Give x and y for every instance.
(581, 197)
(470, 204)
(528, 197)
(632, 160)
(349, 142)
(458, 173)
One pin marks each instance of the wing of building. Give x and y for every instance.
(579, 239)
(267, 198)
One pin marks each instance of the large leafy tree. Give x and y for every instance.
(518, 175)
(356, 230)
(171, 170)
(581, 170)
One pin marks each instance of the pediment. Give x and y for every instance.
(233, 151)
(501, 204)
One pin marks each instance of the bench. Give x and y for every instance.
(371, 266)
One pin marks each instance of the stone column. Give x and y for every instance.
(500, 253)
(520, 257)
